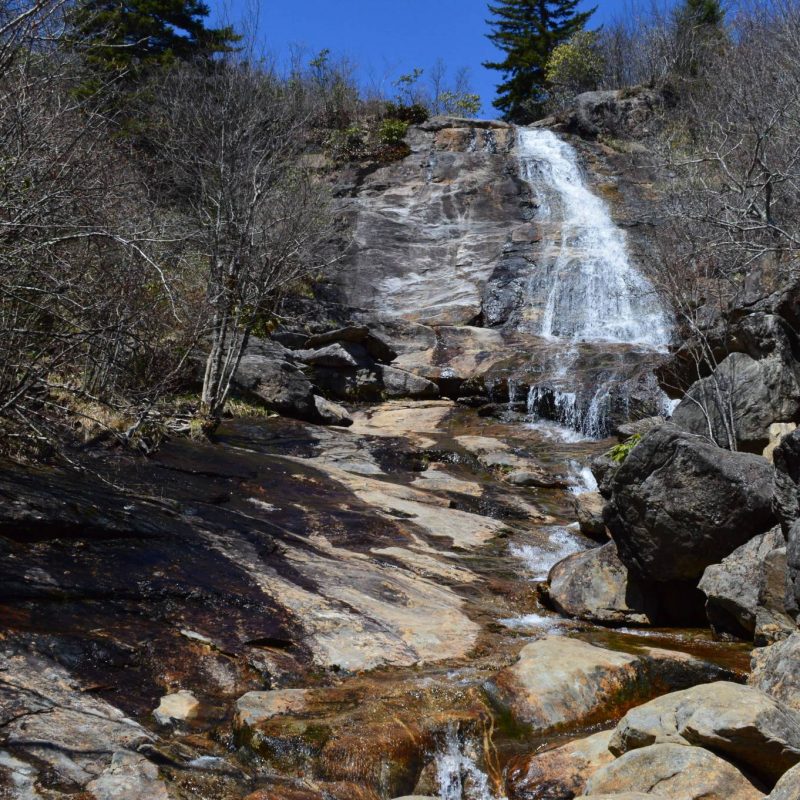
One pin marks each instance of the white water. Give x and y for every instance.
(457, 773)
(585, 284)
(539, 559)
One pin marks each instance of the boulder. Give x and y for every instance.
(788, 787)
(776, 671)
(617, 112)
(177, 707)
(256, 707)
(603, 468)
(277, 383)
(773, 621)
(793, 571)
(680, 504)
(786, 499)
(558, 681)
(589, 510)
(770, 288)
(375, 344)
(672, 771)
(734, 587)
(330, 413)
(741, 399)
(594, 585)
(332, 355)
(620, 796)
(399, 383)
(742, 724)
(557, 774)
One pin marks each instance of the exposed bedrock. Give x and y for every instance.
(430, 231)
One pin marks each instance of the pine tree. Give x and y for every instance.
(128, 34)
(699, 31)
(527, 31)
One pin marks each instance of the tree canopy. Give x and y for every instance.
(123, 34)
(527, 31)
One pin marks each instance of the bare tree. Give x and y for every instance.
(83, 305)
(230, 143)
(732, 201)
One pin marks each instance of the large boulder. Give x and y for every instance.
(616, 112)
(399, 383)
(793, 571)
(773, 621)
(267, 372)
(595, 585)
(557, 774)
(776, 670)
(672, 771)
(734, 587)
(680, 504)
(375, 345)
(742, 724)
(740, 401)
(558, 681)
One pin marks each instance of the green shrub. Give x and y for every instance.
(619, 452)
(392, 131)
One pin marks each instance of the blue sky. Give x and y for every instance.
(385, 38)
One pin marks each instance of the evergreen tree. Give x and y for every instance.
(699, 31)
(527, 31)
(128, 34)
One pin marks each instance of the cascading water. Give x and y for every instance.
(458, 776)
(585, 285)
(584, 289)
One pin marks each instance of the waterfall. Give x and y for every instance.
(585, 286)
(584, 289)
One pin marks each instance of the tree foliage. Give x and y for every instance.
(137, 33)
(576, 65)
(527, 32)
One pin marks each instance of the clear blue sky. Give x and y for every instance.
(386, 38)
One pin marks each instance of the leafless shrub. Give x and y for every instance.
(229, 142)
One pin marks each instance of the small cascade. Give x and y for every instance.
(458, 776)
(584, 294)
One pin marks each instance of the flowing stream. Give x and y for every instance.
(584, 291)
